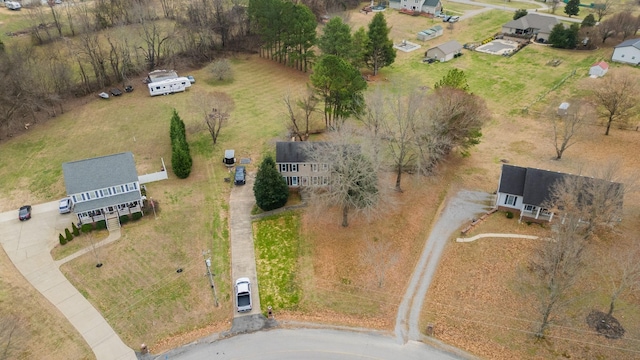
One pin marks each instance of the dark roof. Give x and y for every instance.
(535, 185)
(106, 201)
(290, 152)
(449, 47)
(99, 173)
(512, 180)
(432, 3)
(631, 42)
(538, 184)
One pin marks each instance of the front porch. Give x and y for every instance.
(535, 214)
(95, 215)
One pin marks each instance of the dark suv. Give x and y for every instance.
(241, 175)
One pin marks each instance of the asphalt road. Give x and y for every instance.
(308, 344)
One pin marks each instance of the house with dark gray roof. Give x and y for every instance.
(425, 6)
(527, 191)
(444, 52)
(294, 166)
(627, 51)
(534, 25)
(103, 188)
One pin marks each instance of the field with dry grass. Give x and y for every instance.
(143, 297)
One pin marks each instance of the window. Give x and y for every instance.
(510, 200)
(305, 180)
(325, 180)
(97, 194)
(325, 167)
(314, 167)
(314, 180)
(530, 208)
(294, 167)
(75, 199)
(294, 181)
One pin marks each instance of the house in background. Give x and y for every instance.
(103, 188)
(534, 25)
(599, 69)
(444, 52)
(292, 163)
(527, 190)
(627, 52)
(431, 33)
(425, 6)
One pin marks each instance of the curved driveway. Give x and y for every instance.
(28, 244)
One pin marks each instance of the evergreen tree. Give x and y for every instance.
(360, 42)
(454, 79)
(557, 37)
(520, 13)
(62, 240)
(270, 188)
(181, 162)
(379, 52)
(572, 7)
(589, 21)
(340, 85)
(68, 235)
(75, 230)
(336, 39)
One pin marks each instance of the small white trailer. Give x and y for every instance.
(168, 86)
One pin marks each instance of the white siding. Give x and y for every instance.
(502, 198)
(627, 54)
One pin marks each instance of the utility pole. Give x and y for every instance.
(207, 263)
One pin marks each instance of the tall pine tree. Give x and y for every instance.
(379, 52)
(270, 188)
(572, 7)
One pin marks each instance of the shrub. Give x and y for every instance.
(86, 228)
(68, 235)
(136, 216)
(75, 230)
(63, 241)
(509, 215)
(221, 70)
(124, 219)
(101, 225)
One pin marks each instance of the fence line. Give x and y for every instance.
(526, 108)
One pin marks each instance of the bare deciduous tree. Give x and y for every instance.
(155, 41)
(221, 70)
(216, 110)
(379, 257)
(625, 24)
(568, 129)
(300, 113)
(353, 175)
(554, 5)
(623, 272)
(602, 8)
(554, 270)
(616, 96)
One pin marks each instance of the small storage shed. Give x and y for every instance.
(599, 69)
(444, 52)
(431, 33)
(563, 109)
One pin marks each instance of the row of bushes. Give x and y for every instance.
(98, 225)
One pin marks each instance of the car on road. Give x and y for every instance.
(24, 213)
(116, 92)
(241, 176)
(243, 294)
(65, 206)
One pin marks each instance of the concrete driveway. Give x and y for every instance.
(28, 245)
(243, 258)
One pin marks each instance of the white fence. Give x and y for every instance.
(157, 176)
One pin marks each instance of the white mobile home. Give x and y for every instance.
(169, 86)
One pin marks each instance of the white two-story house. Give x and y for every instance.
(104, 187)
(425, 6)
(292, 163)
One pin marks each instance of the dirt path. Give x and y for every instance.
(464, 206)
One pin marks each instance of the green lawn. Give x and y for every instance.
(277, 244)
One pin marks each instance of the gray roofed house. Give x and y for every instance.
(528, 190)
(627, 51)
(444, 52)
(103, 187)
(292, 163)
(535, 25)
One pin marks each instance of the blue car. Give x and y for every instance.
(241, 175)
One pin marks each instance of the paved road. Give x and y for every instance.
(539, 6)
(308, 344)
(243, 258)
(458, 210)
(28, 244)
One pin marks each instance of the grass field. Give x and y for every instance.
(138, 289)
